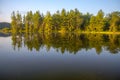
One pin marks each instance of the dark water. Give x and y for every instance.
(60, 57)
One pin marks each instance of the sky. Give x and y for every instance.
(84, 6)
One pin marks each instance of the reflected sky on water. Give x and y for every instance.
(47, 60)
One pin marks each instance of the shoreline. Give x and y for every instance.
(76, 32)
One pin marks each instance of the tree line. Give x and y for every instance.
(65, 21)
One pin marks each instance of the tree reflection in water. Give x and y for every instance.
(69, 42)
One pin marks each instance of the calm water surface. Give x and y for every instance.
(60, 57)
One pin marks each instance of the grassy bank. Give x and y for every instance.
(7, 30)
(101, 32)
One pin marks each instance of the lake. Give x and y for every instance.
(56, 56)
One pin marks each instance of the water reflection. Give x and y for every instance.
(17, 64)
(69, 42)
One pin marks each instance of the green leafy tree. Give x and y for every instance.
(19, 22)
(86, 21)
(71, 20)
(92, 26)
(47, 22)
(29, 22)
(13, 22)
(64, 22)
(37, 21)
(30, 16)
(97, 22)
(78, 20)
(56, 21)
(100, 21)
(115, 22)
(16, 22)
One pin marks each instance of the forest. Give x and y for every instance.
(65, 21)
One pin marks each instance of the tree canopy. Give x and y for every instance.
(65, 21)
